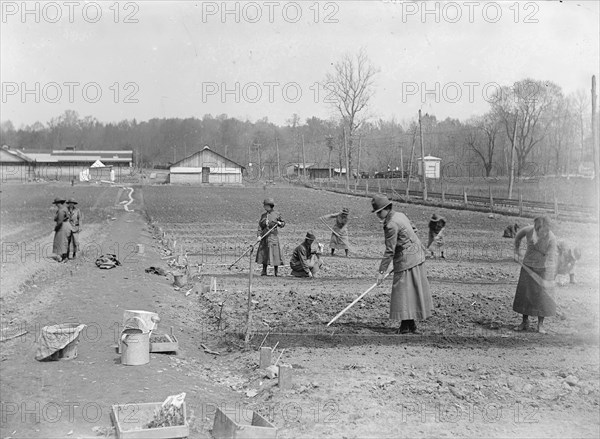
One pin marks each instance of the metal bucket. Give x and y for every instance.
(150, 319)
(135, 347)
(179, 280)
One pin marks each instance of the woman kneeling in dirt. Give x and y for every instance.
(411, 298)
(535, 289)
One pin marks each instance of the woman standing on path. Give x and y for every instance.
(269, 251)
(535, 289)
(339, 235)
(62, 231)
(76, 220)
(411, 298)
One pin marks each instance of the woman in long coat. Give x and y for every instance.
(411, 298)
(339, 235)
(62, 231)
(535, 290)
(269, 250)
(76, 221)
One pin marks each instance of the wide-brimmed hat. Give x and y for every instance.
(310, 235)
(434, 218)
(58, 200)
(380, 202)
(269, 201)
(345, 210)
(71, 201)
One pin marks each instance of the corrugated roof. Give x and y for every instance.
(206, 148)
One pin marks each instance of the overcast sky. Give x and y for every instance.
(177, 59)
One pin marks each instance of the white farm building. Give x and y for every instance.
(206, 167)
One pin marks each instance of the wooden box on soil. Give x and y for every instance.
(129, 421)
(228, 428)
(165, 343)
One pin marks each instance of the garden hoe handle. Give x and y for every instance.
(355, 301)
(260, 238)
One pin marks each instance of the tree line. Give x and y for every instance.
(531, 119)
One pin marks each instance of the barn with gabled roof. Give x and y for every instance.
(206, 167)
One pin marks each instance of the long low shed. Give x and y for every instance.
(206, 167)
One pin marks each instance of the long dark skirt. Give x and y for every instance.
(269, 252)
(60, 245)
(411, 298)
(535, 298)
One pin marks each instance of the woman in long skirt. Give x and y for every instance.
(535, 290)
(62, 231)
(269, 250)
(339, 234)
(411, 298)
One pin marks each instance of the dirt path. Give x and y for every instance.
(69, 398)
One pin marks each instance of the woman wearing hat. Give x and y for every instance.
(436, 227)
(339, 235)
(76, 220)
(62, 231)
(411, 299)
(535, 289)
(269, 251)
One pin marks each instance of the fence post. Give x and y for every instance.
(465, 195)
(379, 186)
(491, 200)
(367, 187)
(443, 194)
(520, 203)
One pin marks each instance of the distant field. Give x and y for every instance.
(575, 190)
(27, 210)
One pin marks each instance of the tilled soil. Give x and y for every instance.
(467, 374)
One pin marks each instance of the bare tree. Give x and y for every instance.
(480, 136)
(581, 105)
(531, 103)
(351, 89)
(561, 134)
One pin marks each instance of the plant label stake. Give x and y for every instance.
(265, 357)
(285, 376)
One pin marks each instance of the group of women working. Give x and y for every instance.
(411, 297)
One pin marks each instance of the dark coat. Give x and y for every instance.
(402, 245)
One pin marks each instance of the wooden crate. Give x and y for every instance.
(128, 420)
(168, 346)
(225, 427)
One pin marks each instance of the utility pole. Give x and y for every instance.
(259, 161)
(278, 165)
(422, 159)
(595, 144)
(410, 165)
(511, 176)
(358, 161)
(303, 159)
(174, 153)
(329, 140)
(401, 161)
(347, 160)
